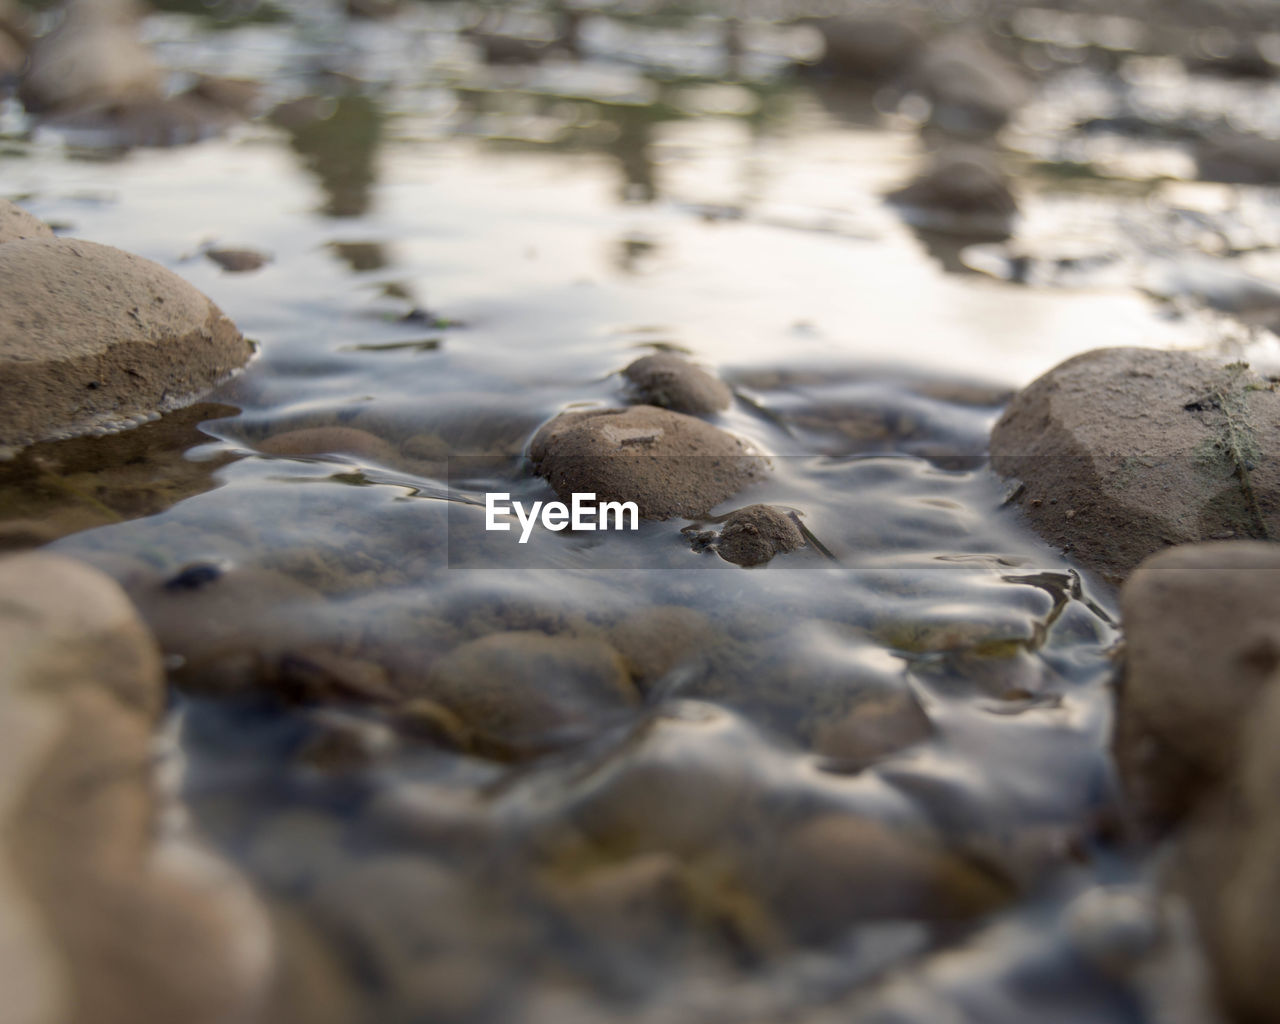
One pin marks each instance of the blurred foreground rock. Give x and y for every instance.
(1197, 721)
(104, 918)
(1124, 452)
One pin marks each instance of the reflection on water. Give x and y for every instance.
(612, 777)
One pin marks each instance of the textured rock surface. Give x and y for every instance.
(1124, 452)
(753, 535)
(16, 224)
(94, 898)
(666, 380)
(1202, 640)
(92, 337)
(668, 463)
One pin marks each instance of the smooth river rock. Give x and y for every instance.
(94, 338)
(1202, 641)
(1123, 452)
(524, 692)
(16, 224)
(669, 464)
(666, 380)
(106, 915)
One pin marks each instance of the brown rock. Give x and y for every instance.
(328, 441)
(93, 58)
(753, 535)
(668, 463)
(872, 729)
(233, 628)
(972, 89)
(16, 224)
(1123, 452)
(656, 640)
(962, 190)
(99, 920)
(867, 46)
(1245, 929)
(666, 380)
(238, 261)
(837, 870)
(524, 692)
(92, 337)
(1202, 629)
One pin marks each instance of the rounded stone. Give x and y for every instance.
(524, 692)
(16, 224)
(92, 338)
(1202, 641)
(669, 464)
(94, 58)
(753, 535)
(664, 379)
(972, 90)
(961, 190)
(868, 47)
(1123, 452)
(837, 870)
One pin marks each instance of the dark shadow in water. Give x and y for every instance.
(338, 139)
(60, 487)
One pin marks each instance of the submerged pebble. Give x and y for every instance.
(671, 382)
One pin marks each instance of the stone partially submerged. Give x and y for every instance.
(669, 464)
(1123, 452)
(94, 338)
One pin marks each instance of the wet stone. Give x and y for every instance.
(836, 871)
(1202, 641)
(867, 46)
(670, 382)
(1123, 452)
(754, 535)
(523, 692)
(972, 90)
(238, 261)
(962, 190)
(92, 337)
(668, 463)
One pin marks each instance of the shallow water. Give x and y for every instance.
(889, 742)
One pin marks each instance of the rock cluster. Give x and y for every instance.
(93, 338)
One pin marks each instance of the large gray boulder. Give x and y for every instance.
(93, 338)
(1124, 452)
